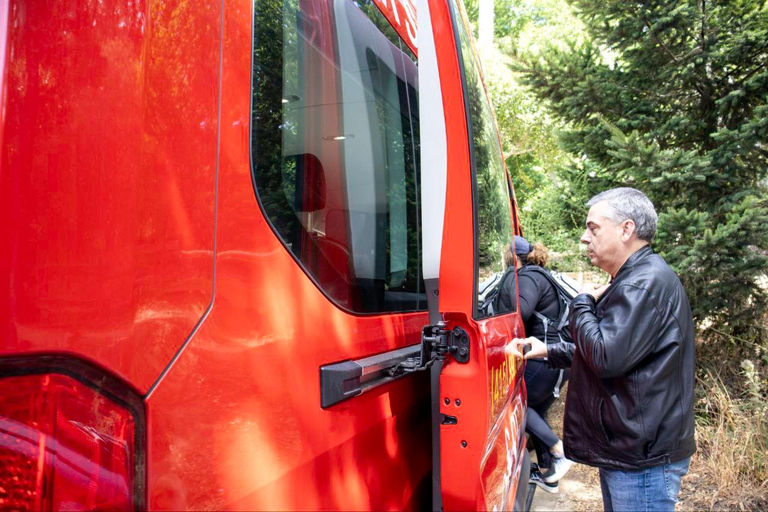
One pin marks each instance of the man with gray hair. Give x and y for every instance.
(629, 409)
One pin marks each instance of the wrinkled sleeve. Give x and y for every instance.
(529, 295)
(613, 345)
(560, 354)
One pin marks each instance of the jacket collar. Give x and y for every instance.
(633, 260)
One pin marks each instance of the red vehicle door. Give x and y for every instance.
(480, 391)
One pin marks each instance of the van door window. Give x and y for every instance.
(493, 222)
(335, 148)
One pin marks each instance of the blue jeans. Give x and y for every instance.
(644, 490)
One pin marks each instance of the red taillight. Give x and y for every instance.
(64, 446)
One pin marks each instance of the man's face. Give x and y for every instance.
(603, 239)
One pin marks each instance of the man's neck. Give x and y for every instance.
(631, 250)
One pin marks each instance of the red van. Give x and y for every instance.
(244, 244)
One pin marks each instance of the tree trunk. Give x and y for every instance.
(485, 24)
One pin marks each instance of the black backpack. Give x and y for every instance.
(564, 296)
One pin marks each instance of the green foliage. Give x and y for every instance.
(532, 152)
(509, 16)
(672, 98)
(528, 134)
(717, 262)
(494, 223)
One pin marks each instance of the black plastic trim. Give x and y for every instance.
(116, 390)
(347, 379)
(525, 490)
(449, 420)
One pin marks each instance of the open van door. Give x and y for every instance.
(478, 393)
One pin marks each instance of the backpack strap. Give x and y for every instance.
(562, 297)
(544, 320)
(545, 273)
(558, 291)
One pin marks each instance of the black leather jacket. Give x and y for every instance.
(630, 400)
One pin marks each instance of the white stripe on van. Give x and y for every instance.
(434, 160)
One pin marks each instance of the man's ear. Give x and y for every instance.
(627, 230)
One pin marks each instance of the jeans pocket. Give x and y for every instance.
(673, 475)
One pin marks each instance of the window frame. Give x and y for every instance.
(422, 307)
(458, 18)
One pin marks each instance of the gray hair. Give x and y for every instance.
(630, 204)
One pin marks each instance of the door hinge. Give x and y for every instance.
(437, 341)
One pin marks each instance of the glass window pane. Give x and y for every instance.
(492, 204)
(335, 148)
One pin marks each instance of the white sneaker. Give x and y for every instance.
(560, 466)
(538, 480)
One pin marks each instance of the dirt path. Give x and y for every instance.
(579, 489)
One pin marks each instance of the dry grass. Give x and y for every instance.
(730, 470)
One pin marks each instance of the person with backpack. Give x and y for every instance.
(544, 309)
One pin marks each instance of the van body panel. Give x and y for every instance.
(107, 186)
(253, 436)
(456, 266)
(136, 239)
(481, 451)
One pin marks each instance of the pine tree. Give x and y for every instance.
(671, 97)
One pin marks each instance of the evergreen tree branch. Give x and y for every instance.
(657, 39)
(740, 83)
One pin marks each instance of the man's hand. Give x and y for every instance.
(595, 290)
(532, 347)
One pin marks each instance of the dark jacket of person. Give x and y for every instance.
(630, 400)
(537, 294)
